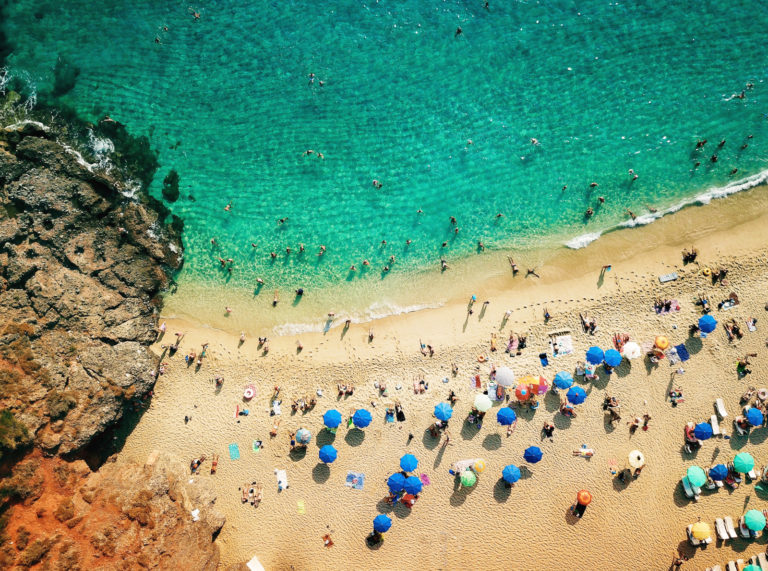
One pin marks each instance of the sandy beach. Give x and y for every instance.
(637, 525)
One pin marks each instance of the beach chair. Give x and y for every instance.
(715, 425)
(763, 561)
(720, 408)
(695, 542)
(745, 532)
(752, 474)
(729, 527)
(722, 533)
(732, 566)
(690, 490)
(717, 568)
(740, 564)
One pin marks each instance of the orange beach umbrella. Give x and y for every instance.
(661, 342)
(584, 497)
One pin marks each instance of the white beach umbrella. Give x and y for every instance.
(483, 403)
(636, 459)
(505, 377)
(631, 350)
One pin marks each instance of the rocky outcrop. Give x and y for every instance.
(81, 270)
(125, 516)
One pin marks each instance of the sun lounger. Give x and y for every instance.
(729, 527)
(752, 474)
(716, 568)
(722, 533)
(732, 566)
(720, 408)
(763, 561)
(740, 564)
(743, 529)
(282, 479)
(668, 277)
(715, 425)
(695, 542)
(690, 490)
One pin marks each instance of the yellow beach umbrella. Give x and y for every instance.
(661, 342)
(479, 465)
(636, 459)
(700, 530)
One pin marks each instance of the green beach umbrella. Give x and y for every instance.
(468, 478)
(696, 476)
(751, 567)
(743, 462)
(754, 520)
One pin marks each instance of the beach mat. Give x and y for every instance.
(355, 480)
(564, 345)
(234, 452)
(425, 479)
(256, 446)
(682, 352)
(674, 308)
(668, 277)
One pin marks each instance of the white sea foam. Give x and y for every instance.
(23, 122)
(702, 198)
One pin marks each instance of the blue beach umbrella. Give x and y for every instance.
(707, 324)
(511, 473)
(532, 454)
(328, 454)
(409, 462)
(703, 431)
(612, 358)
(381, 523)
(443, 411)
(595, 355)
(754, 417)
(361, 418)
(718, 472)
(506, 416)
(412, 485)
(563, 380)
(396, 482)
(332, 418)
(576, 395)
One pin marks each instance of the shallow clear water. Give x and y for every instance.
(227, 101)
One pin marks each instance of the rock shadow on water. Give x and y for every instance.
(354, 437)
(321, 472)
(501, 491)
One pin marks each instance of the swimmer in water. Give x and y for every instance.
(213, 242)
(444, 244)
(589, 212)
(253, 244)
(456, 230)
(564, 187)
(301, 248)
(592, 184)
(459, 31)
(383, 243)
(651, 209)
(273, 255)
(385, 269)
(480, 246)
(734, 171)
(721, 144)
(366, 263)
(322, 250)
(311, 78)
(260, 281)
(288, 250)
(419, 211)
(307, 153)
(534, 141)
(352, 268)
(408, 242)
(282, 220)
(744, 146)
(499, 215)
(453, 220)
(631, 214)
(713, 158)
(601, 199)
(228, 207)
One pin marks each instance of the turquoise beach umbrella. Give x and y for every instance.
(754, 520)
(743, 462)
(696, 476)
(563, 380)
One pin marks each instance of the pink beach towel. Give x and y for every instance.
(425, 479)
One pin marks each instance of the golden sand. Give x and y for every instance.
(635, 526)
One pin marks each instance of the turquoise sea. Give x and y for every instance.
(228, 100)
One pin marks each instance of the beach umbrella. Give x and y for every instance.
(532, 454)
(483, 403)
(361, 418)
(328, 454)
(584, 497)
(443, 411)
(412, 485)
(506, 416)
(700, 530)
(576, 395)
(595, 355)
(409, 463)
(661, 342)
(523, 392)
(703, 431)
(636, 459)
(612, 358)
(381, 523)
(511, 473)
(563, 380)
(696, 476)
(303, 436)
(751, 567)
(396, 482)
(754, 416)
(468, 478)
(479, 466)
(754, 520)
(743, 462)
(505, 377)
(707, 324)
(718, 472)
(631, 350)
(332, 418)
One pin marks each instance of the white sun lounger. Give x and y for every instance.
(743, 529)
(715, 425)
(690, 490)
(722, 533)
(763, 560)
(752, 474)
(740, 564)
(692, 539)
(732, 566)
(717, 568)
(729, 527)
(282, 479)
(720, 408)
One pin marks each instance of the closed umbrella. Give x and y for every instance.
(468, 478)
(754, 417)
(576, 395)
(396, 482)
(612, 358)
(381, 523)
(718, 472)
(506, 416)
(483, 403)
(754, 520)
(631, 350)
(595, 355)
(361, 418)
(743, 462)
(412, 485)
(408, 463)
(584, 497)
(700, 530)
(636, 459)
(696, 476)
(703, 431)
(532, 454)
(303, 436)
(328, 454)
(661, 342)
(523, 392)
(443, 411)
(505, 377)
(707, 324)
(563, 380)
(332, 418)
(511, 473)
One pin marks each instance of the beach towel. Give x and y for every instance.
(726, 305)
(674, 308)
(751, 326)
(668, 277)
(400, 415)
(389, 417)
(234, 452)
(492, 393)
(682, 352)
(300, 507)
(425, 479)
(543, 359)
(564, 345)
(355, 480)
(256, 445)
(282, 479)
(672, 355)
(512, 346)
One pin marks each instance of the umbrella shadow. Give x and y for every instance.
(624, 369)
(384, 505)
(321, 472)
(679, 497)
(607, 424)
(761, 491)
(620, 485)
(552, 401)
(429, 441)
(570, 517)
(602, 379)
(501, 491)
(401, 511)
(693, 345)
(738, 441)
(525, 472)
(561, 421)
(650, 366)
(354, 437)
(757, 435)
(492, 442)
(325, 437)
(468, 430)
(298, 453)
(460, 494)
